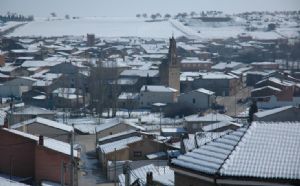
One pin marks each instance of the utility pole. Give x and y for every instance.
(72, 157)
(62, 173)
(11, 167)
(126, 172)
(115, 160)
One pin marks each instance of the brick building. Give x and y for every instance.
(35, 158)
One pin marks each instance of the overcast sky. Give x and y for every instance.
(43, 8)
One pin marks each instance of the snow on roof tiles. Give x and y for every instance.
(208, 159)
(264, 150)
(267, 150)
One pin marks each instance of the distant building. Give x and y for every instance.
(169, 70)
(265, 66)
(45, 127)
(262, 154)
(30, 112)
(220, 83)
(194, 64)
(90, 40)
(134, 147)
(151, 94)
(227, 66)
(197, 122)
(198, 99)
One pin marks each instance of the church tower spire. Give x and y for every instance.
(170, 68)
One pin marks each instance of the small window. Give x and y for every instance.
(137, 154)
(194, 100)
(110, 133)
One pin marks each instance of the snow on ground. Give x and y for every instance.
(9, 25)
(100, 26)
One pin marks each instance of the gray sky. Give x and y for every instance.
(42, 8)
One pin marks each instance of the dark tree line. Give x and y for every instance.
(15, 17)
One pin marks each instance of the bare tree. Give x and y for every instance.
(53, 14)
(167, 16)
(153, 16)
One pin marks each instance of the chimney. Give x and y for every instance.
(5, 124)
(149, 179)
(41, 140)
(182, 146)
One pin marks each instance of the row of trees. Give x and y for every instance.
(183, 14)
(15, 17)
(154, 16)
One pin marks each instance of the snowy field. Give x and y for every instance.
(9, 25)
(102, 27)
(126, 27)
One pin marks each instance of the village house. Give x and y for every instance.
(273, 92)
(220, 83)
(191, 64)
(45, 127)
(227, 66)
(16, 87)
(29, 112)
(133, 147)
(198, 99)
(115, 126)
(252, 77)
(151, 94)
(265, 66)
(197, 122)
(33, 158)
(253, 155)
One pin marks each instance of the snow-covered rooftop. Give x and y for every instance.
(161, 174)
(208, 117)
(272, 111)
(32, 110)
(205, 91)
(50, 143)
(44, 121)
(157, 88)
(264, 150)
(118, 145)
(215, 75)
(140, 73)
(223, 65)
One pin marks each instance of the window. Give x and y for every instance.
(137, 154)
(194, 100)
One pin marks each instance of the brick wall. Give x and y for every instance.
(17, 155)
